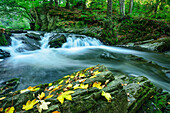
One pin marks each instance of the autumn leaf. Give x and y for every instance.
(66, 95)
(49, 96)
(43, 106)
(9, 110)
(81, 80)
(30, 104)
(97, 85)
(61, 82)
(41, 96)
(107, 96)
(55, 112)
(96, 72)
(72, 76)
(67, 81)
(50, 84)
(69, 85)
(67, 76)
(2, 98)
(138, 83)
(82, 75)
(82, 86)
(1, 109)
(94, 76)
(57, 87)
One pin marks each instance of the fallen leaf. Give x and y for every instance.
(43, 106)
(30, 104)
(97, 85)
(67, 76)
(61, 82)
(107, 81)
(72, 76)
(81, 80)
(69, 85)
(107, 96)
(9, 110)
(96, 72)
(94, 76)
(56, 88)
(2, 98)
(66, 95)
(82, 75)
(41, 96)
(76, 86)
(138, 83)
(50, 84)
(67, 81)
(49, 96)
(1, 109)
(31, 88)
(24, 90)
(82, 86)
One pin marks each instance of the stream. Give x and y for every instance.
(45, 65)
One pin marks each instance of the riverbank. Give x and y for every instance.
(94, 89)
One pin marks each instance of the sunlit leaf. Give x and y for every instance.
(61, 82)
(82, 86)
(66, 95)
(96, 72)
(69, 85)
(67, 81)
(41, 96)
(81, 80)
(24, 90)
(67, 76)
(82, 75)
(97, 85)
(43, 106)
(94, 76)
(72, 76)
(50, 84)
(2, 98)
(49, 96)
(76, 86)
(1, 109)
(138, 83)
(29, 104)
(9, 110)
(107, 96)
(31, 88)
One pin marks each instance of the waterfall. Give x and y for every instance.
(74, 40)
(45, 40)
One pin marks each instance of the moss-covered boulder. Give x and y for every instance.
(3, 40)
(34, 36)
(57, 40)
(92, 90)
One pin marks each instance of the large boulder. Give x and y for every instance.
(4, 54)
(57, 40)
(34, 36)
(92, 90)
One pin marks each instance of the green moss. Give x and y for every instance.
(3, 40)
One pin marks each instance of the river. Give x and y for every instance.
(44, 65)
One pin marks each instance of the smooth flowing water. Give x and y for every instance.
(44, 65)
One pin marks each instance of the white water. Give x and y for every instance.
(48, 64)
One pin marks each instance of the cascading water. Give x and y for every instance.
(46, 64)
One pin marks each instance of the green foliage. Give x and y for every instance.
(3, 41)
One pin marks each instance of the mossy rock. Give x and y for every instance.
(34, 36)
(57, 41)
(3, 40)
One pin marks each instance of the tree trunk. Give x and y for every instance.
(51, 2)
(109, 8)
(84, 5)
(56, 3)
(130, 6)
(68, 4)
(122, 8)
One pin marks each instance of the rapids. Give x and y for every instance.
(44, 65)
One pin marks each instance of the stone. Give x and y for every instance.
(4, 54)
(57, 40)
(33, 36)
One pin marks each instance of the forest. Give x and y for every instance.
(84, 56)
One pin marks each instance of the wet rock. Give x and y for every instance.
(4, 54)
(57, 40)
(18, 31)
(33, 36)
(128, 93)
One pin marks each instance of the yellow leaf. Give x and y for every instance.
(66, 95)
(30, 104)
(50, 84)
(81, 80)
(9, 110)
(31, 88)
(36, 89)
(82, 75)
(82, 86)
(76, 86)
(55, 112)
(61, 82)
(43, 106)
(58, 87)
(2, 98)
(41, 96)
(67, 81)
(138, 83)
(24, 90)
(67, 76)
(72, 76)
(97, 85)
(49, 96)
(1, 109)
(69, 85)
(107, 96)
(96, 72)
(94, 76)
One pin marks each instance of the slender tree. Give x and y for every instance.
(68, 4)
(122, 7)
(56, 3)
(130, 6)
(109, 8)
